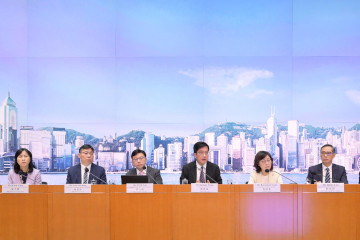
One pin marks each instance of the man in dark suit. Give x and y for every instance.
(327, 172)
(200, 170)
(86, 172)
(139, 160)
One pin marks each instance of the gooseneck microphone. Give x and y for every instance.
(144, 168)
(21, 173)
(87, 170)
(211, 178)
(267, 170)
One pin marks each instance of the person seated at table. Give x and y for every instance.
(264, 172)
(201, 170)
(327, 172)
(139, 160)
(86, 172)
(24, 171)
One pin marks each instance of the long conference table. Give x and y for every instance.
(173, 212)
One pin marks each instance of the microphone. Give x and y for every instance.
(267, 170)
(21, 173)
(184, 181)
(211, 178)
(144, 167)
(87, 170)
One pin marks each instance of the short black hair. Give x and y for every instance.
(260, 156)
(199, 145)
(137, 151)
(17, 166)
(86, 146)
(329, 145)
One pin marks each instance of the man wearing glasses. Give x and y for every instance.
(138, 158)
(327, 172)
(86, 172)
(200, 170)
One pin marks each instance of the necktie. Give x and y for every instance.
(85, 177)
(202, 178)
(327, 176)
(141, 173)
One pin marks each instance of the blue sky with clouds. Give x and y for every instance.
(178, 67)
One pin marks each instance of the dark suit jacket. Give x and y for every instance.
(338, 173)
(153, 172)
(74, 174)
(189, 172)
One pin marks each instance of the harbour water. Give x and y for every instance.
(173, 178)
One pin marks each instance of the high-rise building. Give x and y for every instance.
(293, 138)
(210, 138)
(58, 143)
(130, 147)
(159, 157)
(189, 142)
(79, 141)
(174, 155)
(39, 143)
(237, 153)
(8, 125)
(272, 137)
(148, 146)
(222, 144)
(249, 156)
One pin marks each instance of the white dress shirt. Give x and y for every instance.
(324, 172)
(83, 171)
(198, 171)
(138, 172)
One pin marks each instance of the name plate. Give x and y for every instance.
(330, 187)
(266, 187)
(139, 188)
(204, 187)
(77, 188)
(15, 188)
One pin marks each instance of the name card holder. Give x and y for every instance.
(204, 188)
(139, 188)
(267, 187)
(15, 188)
(330, 187)
(77, 188)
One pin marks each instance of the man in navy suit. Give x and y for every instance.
(86, 172)
(200, 170)
(327, 172)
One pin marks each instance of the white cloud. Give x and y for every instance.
(259, 92)
(225, 80)
(353, 95)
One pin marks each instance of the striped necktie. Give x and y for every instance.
(327, 176)
(202, 178)
(85, 177)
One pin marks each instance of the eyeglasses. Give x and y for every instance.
(138, 159)
(87, 153)
(265, 161)
(202, 153)
(326, 153)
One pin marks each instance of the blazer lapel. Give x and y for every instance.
(193, 173)
(149, 172)
(319, 173)
(209, 171)
(78, 175)
(335, 172)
